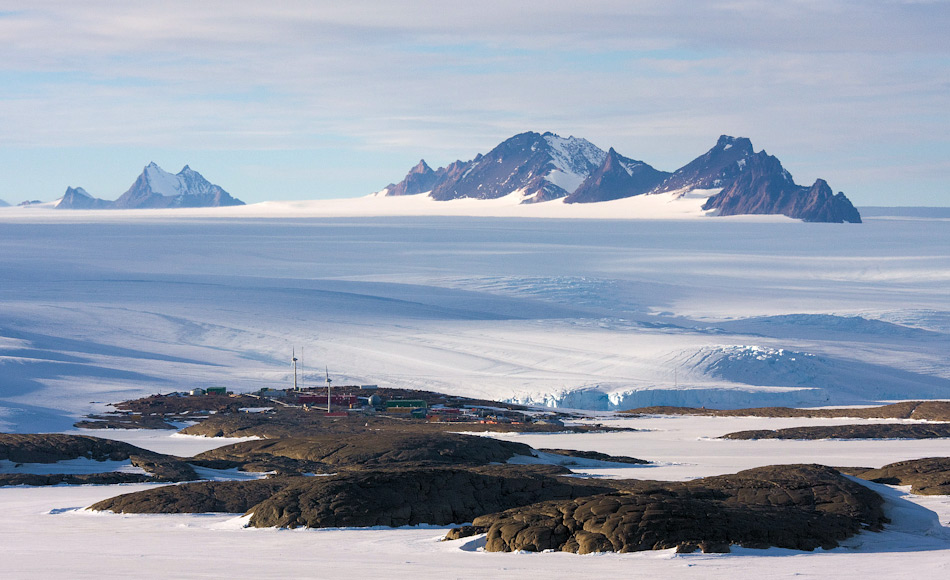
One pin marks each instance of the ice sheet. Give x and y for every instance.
(584, 313)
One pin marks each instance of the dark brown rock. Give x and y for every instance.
(596, 455)
(797, 506)
(387, 497)
(927, 476)
(921, 410)
(53, 447)
(197, 497)
(872, 431)
(373, 449)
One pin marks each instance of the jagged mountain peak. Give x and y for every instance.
(765, 187)
(726, 142)
(78, 191)
(545, 166)
(617, 177)
(79, 198)
(421, 167)
(714, 168)
(539, 166)
(157, 188)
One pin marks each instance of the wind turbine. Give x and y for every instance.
(328, 388)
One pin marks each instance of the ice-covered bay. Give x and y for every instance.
(602, 314)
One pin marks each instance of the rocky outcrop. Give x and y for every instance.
(927, 476)
(715, 168)
(374, 449)
(420, 179)
(800, 507)
(873, 431)
(763, 186)
(596, 456)
(53, 447)
(198, 497)
(106, 478)
(437, 496)
(372, 497)
(617, 178)
(920, 410)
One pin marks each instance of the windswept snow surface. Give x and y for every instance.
(570, 313)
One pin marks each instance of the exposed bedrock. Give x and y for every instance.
(799, 507)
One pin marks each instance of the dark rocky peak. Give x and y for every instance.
(518, 163)
(618, 177)
(726, 142)
(765, 187)
(540, 166)
(421, 168)
(715, 168)
(420, 179)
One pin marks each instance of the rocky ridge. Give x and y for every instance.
(50, 448)
(545, 167)
(800, 507)
(927, 476)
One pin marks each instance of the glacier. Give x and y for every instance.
(594, 314)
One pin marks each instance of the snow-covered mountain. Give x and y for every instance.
(4, 204)
(541, 167)
(548, 167)
(79, 198)
(155, 188)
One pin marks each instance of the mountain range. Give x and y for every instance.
(546, 167)
(155, 188)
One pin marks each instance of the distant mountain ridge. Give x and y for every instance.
(155, 188)
(545, 167)
(542, 167)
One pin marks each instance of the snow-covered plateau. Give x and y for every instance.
(97, 307)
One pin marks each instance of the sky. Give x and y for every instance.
(304, 99)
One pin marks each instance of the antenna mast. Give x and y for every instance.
(328, 388)
(293, 356)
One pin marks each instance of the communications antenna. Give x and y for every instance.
(293, 356)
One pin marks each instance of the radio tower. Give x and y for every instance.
(293, 356)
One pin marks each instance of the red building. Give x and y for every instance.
(338, 400)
